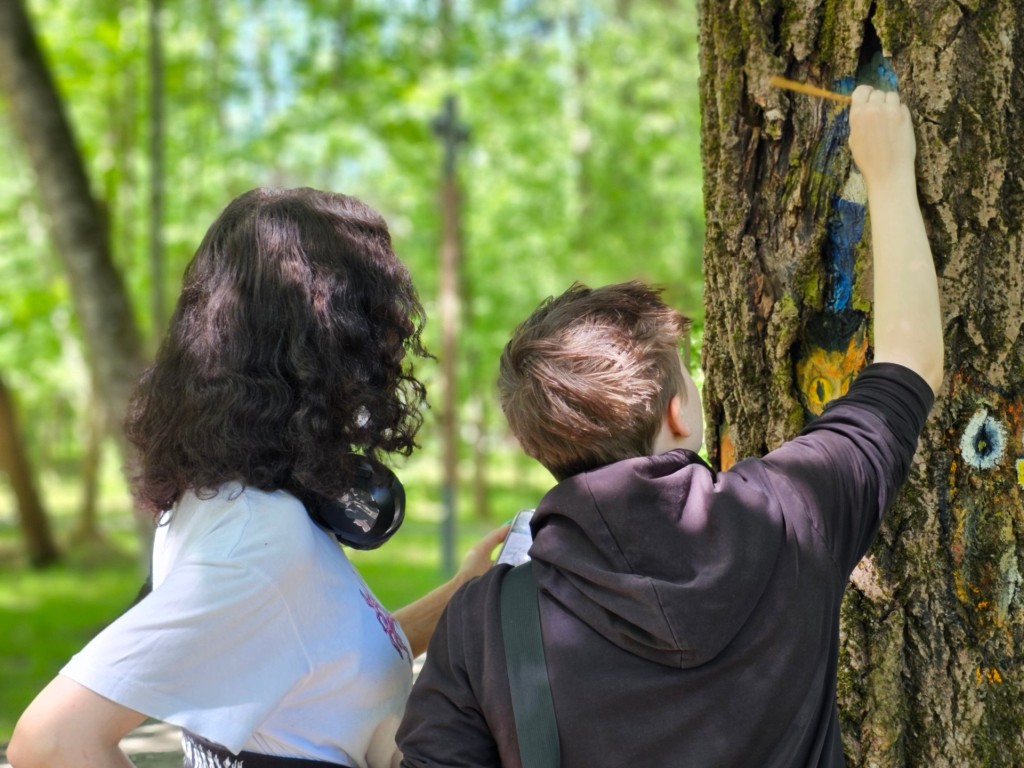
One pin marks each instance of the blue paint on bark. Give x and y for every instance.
(845, 227)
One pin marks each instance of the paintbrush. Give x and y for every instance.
(810, 90)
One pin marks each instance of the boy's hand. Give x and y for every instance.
(881, 137)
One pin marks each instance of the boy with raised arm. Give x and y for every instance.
(690, 618)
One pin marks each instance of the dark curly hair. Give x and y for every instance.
(286, 351)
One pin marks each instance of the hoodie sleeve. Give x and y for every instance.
(443, 723)
(848, 465)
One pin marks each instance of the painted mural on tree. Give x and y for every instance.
(983, 505)
(833, 350)
(933, 624)
(982, 513)
(834, 345)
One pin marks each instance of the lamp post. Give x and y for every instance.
(452, 134)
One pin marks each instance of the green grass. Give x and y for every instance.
(46, 616)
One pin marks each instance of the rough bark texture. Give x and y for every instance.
(112, 341)
(933, 626)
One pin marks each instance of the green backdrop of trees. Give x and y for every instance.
(582, 163)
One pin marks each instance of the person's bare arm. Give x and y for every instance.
(907, 318)
(419, 618)
(69, 726)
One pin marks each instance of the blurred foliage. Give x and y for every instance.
(49, 616)
(583, 164)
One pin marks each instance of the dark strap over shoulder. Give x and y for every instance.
(201, 753)
(532, 705)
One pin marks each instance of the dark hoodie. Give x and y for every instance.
(689, 619)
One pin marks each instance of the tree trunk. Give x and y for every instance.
(580, 195)
(88, 526)
(39, 543)
(480, 416)
(156, 164)
(933, 628)
(112, 340)
(453, 134)
(448, 309)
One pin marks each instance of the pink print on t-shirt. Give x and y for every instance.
(387, 623)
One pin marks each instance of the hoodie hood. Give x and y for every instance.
(657, 554)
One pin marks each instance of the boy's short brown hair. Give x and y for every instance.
(585, 379)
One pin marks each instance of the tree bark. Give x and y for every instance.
(79, 230)
(35, 526)
(933, 626)
(156, 164)
(88, 526)
(452, 133)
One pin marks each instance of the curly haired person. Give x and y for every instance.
(287, 351)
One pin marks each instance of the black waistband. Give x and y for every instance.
(201, 753)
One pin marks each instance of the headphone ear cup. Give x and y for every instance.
(369, 513)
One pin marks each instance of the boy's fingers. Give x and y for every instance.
(861, 93)
(864, 93)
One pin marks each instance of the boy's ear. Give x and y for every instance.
(677, 426)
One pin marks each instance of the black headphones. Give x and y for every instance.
(370, 512)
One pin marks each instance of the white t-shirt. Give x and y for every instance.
(259, 634)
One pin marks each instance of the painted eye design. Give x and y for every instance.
(1020, 464)
(984, 441)
(820, 391)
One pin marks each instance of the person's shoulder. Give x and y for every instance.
(245, 522)
(746, 474)
(479, 593)
(279, 523)
(487, 583)
(274, 507)
(472, 617)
